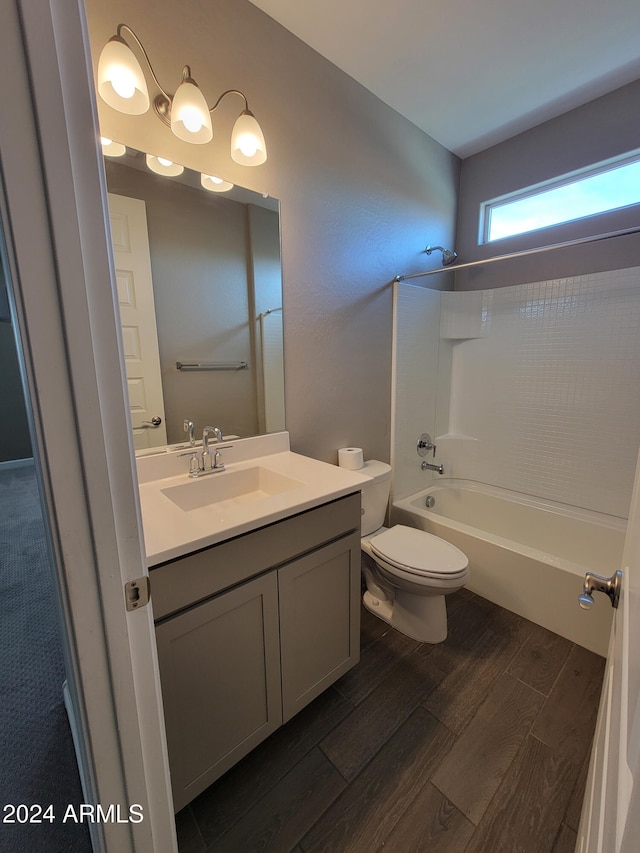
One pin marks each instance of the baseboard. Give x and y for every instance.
(16, 463)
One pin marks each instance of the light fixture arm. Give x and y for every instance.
(230, 92)
(144, 53)
(162, 103)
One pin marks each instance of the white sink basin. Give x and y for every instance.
(243, 486)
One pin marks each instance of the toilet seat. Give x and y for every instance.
(419, 554)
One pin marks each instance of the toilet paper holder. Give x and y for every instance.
(425, 444)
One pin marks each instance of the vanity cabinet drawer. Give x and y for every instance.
(183, 582)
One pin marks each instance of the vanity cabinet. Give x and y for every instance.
(250, 631)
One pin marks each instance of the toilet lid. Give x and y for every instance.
(419, 552)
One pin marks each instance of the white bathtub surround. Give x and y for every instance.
(525, 554)
(533, 388)
(550, 389)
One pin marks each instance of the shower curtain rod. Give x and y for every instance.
(267, 312)
(596, 238)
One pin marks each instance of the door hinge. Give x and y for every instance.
(137, 593)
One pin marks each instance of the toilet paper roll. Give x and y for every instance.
(351, 458)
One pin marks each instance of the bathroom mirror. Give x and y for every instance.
(210, 262)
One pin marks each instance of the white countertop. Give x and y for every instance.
(171, 532)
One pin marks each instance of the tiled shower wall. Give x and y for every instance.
(543, 394)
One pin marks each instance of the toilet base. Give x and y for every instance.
(423, 618)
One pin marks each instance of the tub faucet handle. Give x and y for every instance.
(425, 444)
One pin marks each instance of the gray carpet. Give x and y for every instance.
(38, 764)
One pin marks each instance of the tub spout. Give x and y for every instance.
(427, 466)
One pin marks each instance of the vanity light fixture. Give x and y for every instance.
(111, 148)
(162, 166)
(215, 185)
(122, 85)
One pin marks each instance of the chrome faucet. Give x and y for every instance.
(424, 445)
(205, 465)
(206, 455)
(427, 466)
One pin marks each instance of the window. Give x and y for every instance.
(601, 188)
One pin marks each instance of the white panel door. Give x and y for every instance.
(611, 811)
(138, 318)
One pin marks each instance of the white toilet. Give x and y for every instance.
(409, 571)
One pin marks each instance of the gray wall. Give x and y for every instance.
(603, 128)
(362, 192)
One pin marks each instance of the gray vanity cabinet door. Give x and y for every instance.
(220, 673)
(319, 620)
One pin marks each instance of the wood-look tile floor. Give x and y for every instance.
(478, 744)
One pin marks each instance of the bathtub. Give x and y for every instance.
(525, 554)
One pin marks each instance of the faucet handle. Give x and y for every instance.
(425, 444)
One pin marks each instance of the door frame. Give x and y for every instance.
(54, 213)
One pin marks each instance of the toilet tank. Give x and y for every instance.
(375, 495)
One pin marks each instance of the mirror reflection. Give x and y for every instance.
(200, 291)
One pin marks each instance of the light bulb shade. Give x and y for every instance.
(215, 185)
(190, 117)
(162, 166)
(121, 83)
(247, 141)
(111, 148)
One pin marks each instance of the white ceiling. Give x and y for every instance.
(471, 73)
